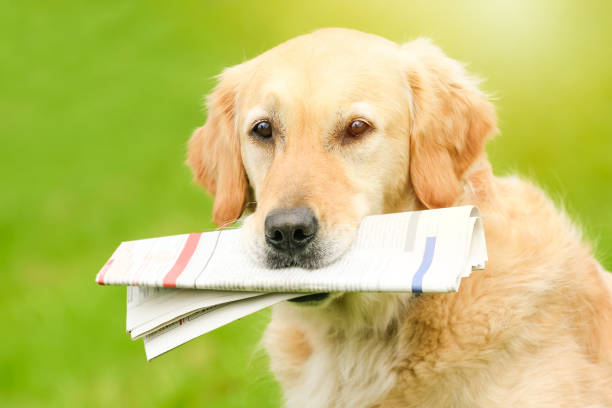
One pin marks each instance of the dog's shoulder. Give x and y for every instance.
(540, 306)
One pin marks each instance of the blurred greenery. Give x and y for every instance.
(97, 100)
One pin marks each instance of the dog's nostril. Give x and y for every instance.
(277, 236)
(299, 235)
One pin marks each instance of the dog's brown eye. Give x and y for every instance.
(357, 127)
(263, 129)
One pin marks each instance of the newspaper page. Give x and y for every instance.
(206, 320)
(422, 251)
(150, 308)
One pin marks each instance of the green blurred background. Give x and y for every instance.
(97, 100)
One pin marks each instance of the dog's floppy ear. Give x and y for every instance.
(451, 120)
(214, 153)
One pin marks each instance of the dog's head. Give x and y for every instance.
(330, 127)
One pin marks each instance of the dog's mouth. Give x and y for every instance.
(312, 299)
(312, 257)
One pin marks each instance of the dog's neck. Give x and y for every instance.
(353, 314)
(353, 340)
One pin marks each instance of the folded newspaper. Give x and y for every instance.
(180, 287)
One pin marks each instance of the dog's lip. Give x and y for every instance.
(315, 297)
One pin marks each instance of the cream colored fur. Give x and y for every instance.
(532, 330)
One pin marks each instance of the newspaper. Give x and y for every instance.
(163, 329)
(182, 286)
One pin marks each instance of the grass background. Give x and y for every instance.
(97, 100)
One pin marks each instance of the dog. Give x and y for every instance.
(326, 128)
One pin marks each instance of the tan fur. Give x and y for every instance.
(452, 120)
(532, 330)
(214, 154)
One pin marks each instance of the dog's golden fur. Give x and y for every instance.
(532, 330)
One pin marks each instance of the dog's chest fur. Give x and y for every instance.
(323, 368)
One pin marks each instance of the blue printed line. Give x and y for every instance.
(417, 280)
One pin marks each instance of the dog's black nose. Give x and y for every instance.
(290, 230)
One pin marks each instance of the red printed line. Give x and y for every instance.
(182, 260)
(103, 271)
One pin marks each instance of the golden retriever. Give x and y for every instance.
(329, 127)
